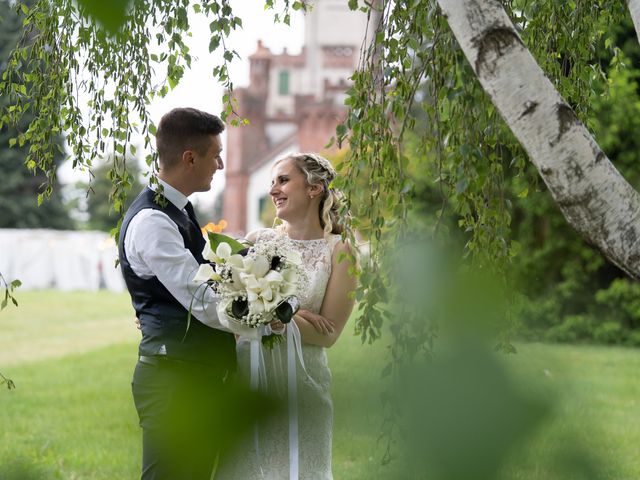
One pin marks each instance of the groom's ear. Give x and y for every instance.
(187, 158)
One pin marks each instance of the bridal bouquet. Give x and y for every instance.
(256, 284)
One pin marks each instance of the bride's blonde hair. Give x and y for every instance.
(318, 170)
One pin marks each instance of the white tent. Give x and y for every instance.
(60, 259)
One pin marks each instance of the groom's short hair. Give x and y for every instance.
(184, 129)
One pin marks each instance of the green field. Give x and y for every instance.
(71, 416)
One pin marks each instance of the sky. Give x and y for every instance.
(198, 88)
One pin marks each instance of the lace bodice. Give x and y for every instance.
(316, 263)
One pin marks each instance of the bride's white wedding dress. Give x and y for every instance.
(315, 409)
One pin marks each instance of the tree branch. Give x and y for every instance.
(594, 198)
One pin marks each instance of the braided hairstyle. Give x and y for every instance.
(318, 170)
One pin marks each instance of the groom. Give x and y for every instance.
(182, 366)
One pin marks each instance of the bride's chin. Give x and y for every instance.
(282, 215)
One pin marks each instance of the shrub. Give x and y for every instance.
(633, 338)
(572, 329)
(621, 300)
(539, 314)
(609, 332)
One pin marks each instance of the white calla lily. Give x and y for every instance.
(258, 287)
(249, 280)
(273, 277)
(236, 283)
(204, 273)
(236, 261)
(252, 296)
(260, 266)
(265, 289)
(207, 253)
(273, 303)
(287, 289)
(289, 275)
(223, 252)
(256, 308)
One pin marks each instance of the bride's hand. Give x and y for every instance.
(277, 327)
(137, 322)
(322, 324)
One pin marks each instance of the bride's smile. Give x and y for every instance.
(296, 201)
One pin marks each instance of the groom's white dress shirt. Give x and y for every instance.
(154, 247)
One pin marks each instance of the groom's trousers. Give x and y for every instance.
(175, 401)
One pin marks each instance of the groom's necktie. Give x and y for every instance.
(191, 214)
(194, 230)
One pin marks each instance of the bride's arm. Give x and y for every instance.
(337, 303)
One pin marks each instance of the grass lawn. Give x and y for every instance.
(71, 417)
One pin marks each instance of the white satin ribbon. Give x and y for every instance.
(258, 381)
(292, 390)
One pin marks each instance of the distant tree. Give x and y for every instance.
(19, 187)
(99, 193)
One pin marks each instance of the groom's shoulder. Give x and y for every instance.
(148, 199)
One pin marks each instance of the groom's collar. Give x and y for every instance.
(173, 195)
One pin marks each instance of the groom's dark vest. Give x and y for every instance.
(163, 319)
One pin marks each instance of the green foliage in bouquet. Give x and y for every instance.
(216, 239)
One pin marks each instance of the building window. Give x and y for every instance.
(283, 82)
(342, 51)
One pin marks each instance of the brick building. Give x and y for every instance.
(293, 104)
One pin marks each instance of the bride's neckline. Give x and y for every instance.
(307, 239)
(302, 239)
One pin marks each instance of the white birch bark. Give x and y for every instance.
(594, 198)
(634, 9)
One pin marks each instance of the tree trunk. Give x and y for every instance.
(634, 9)
(594, 198)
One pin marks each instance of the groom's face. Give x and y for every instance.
(206, 162)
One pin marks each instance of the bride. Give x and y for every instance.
(308, 207)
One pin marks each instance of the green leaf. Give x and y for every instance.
(214, 43)
(110, 14)
(216, 239)
(353, 4)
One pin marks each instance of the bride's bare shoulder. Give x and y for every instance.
(255, 235)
